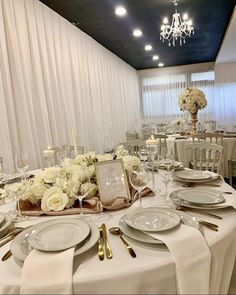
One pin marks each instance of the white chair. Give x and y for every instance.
(70, 150)
(205, 156)
(161, 142)
(131, 135)
(231, 170)
(216, 138)
(135, 146)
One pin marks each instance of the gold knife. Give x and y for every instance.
(7, 255)
(9, 239)
(106, 243)
(100, 246)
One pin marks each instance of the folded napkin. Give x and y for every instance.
(48, 272)
(192, 258)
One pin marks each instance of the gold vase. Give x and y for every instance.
(194, 122)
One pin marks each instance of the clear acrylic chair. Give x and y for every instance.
(134, 147)
(161, 141)
(69, 150)
(231, 170)
(205, 156)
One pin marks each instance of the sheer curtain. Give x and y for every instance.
(54, 77)
(160, 91)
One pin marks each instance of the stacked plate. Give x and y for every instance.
(5, 223)
(178, 166)
(196, 176)
(137, 223)
(198, 198)
(56, 235)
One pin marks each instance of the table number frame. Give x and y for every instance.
(112, 180)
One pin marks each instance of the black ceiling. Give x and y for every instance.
(97, 19)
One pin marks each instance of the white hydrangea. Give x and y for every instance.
(131, 162)
(192, 99)
(121, 152)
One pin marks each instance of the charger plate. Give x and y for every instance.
(193, 175)
(59, 234)
(214, 176)
(201, 196)
(177, 198)
(21, 248)
(152, 219)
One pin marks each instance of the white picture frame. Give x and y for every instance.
(112, 181)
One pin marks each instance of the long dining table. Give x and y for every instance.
(152, 271)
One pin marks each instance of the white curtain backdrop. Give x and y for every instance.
(54, 77)
(160, 92)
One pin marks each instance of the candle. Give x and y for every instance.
(74, 141)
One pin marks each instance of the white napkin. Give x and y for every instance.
(192, 258)
(230, 201)
(48, 272)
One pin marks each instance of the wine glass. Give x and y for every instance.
(139, 179)
(15, 188)
(166, 167)
(79, 186)
(21, 162)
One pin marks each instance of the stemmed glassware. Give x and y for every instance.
(139, 180)
(15, 188)
(166, 167)
(21, 162)
(78, 189)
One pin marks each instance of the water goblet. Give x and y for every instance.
(139, 179)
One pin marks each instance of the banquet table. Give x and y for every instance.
(177, 144)
(151, 272)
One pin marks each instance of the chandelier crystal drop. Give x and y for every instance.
(180, 28)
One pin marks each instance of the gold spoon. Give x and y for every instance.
(117, 231)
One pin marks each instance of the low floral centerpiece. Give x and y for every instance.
(192, 99)
(49, 191)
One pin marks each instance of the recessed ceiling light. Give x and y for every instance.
(160, 64)
(137, 33)
(155, 57)
(148, 47)
(120, 11)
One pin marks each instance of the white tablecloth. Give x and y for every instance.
(153, 271)
(178, 145)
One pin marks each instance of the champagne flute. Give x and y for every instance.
(139, 179)
(21, 162)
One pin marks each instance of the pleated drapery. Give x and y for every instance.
(54, 77)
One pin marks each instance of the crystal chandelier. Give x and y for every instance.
(179, 28)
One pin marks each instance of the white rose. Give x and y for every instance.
(38, 189)
(54, 200)
(50, 175)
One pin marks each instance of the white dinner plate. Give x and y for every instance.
(176, 198)
(140, 236)
(201, 197)
(21, 248)
(193, 175)
(214, 176)
(152, 219)
(6, 224)
(59, 234)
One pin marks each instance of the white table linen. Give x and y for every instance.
(153, 271)
(48, 272)
(192, 258)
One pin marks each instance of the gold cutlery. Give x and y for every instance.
(11, 237)
(117, 231)
(106, 242)
(189, 184)
(100, 246)
(210, 225)
(7, 255)
(183, 208)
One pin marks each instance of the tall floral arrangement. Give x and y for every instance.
(51, 187)
(192, 99)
